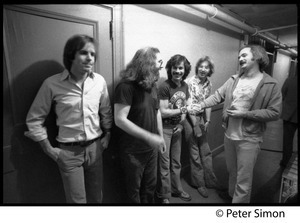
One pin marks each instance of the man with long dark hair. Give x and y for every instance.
(138, 116)
(174, 105)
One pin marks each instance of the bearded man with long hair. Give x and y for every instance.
(137, 114)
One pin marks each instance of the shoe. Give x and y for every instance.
(165, 201)
(225, 196)
(183, 196)
(216, 186)
(202, 191)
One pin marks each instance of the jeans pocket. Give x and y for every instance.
(59, 154)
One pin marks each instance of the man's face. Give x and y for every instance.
(84, 59)
(246, 59)
(203, 70)
(177, 71)
(159, 61)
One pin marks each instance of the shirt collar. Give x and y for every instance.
(65, 74)
(197, 80)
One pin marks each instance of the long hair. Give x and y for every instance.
(142, 68)
(73, 45)
(259, 54)
(210, 64)
(176, 60)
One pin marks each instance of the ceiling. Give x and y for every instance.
(269, 16)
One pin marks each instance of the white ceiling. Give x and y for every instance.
(269, 16)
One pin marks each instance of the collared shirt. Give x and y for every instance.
(199, 92)
(82, 113)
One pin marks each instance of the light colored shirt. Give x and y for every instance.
(82, 113)
(242, 97)
(198, 91)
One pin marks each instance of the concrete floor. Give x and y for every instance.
(266, 182)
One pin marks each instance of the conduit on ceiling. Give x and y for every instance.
(215, 13)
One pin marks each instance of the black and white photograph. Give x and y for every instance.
(151, 105)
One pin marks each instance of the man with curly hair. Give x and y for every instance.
(138, 117)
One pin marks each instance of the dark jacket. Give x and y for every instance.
(289, 92)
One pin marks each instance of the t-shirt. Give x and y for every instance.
(242, 98)
(143, 113)
(176, 96)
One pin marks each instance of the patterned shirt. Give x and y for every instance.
(199, 92)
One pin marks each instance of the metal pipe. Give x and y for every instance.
(277, 28)
(215, 13)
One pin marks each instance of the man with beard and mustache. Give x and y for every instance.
(174, 105)
(251, 99)
(138, 117)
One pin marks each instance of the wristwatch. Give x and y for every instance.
(183, 110)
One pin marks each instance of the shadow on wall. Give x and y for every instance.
(38, 178)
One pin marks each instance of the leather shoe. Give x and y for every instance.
(224, 195)
(202, 191)
(165, 201)
(216, 186)
(183, 196)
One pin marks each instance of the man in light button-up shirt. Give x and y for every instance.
(84, 117)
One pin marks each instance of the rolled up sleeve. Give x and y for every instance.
(105, 112)
(37, 114)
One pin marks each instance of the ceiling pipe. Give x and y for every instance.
(277, 28)
(215, 13)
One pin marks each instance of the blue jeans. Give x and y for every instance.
(170, 165)
(81, 169)
(241, 157)
(140, 175)
(202, 173)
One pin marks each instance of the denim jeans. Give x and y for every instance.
(289, 129)
(140, 175)
(170, 165)
(81, 169)
(241, 156)
(202, 173)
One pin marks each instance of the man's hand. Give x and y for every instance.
(236, 113)
(157, 142)
(194, 108)
(178, 129)
(53, 152)
(206, 126)
(105, 140)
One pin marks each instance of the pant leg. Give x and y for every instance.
(197, 171)
(231, 164)
(247, 153)
(289, 129)
(149, 180)
(133, 170)
(206, 160)
(164, 177)
(70, 163)
(93, 172)
(175, 167)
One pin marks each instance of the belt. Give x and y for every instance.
(81, 143)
